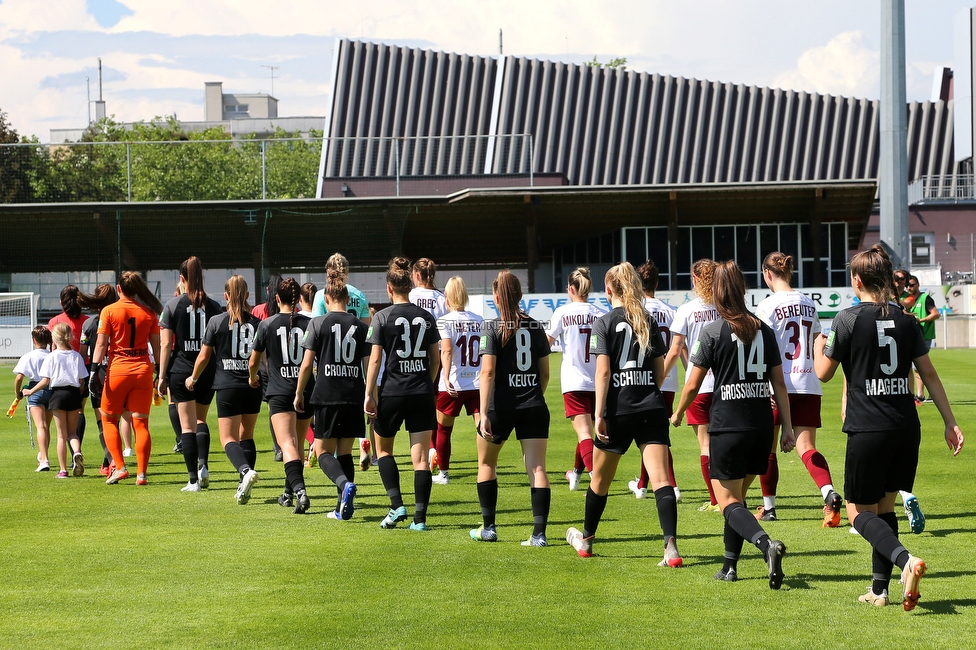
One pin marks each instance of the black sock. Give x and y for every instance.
(422, 482)
(541, 498)
(667, 512)
(235, 453)
(294, 476)
(203, 444)
(733, 548)
(879, 535)
(332, 468)
(251, 451)
(348, 467)
(390, 474)
(274, 440)
(189, 442)
(743, 522)
(80, 429)
(595, 505)
(488, 499)
(881, 566)
(174, 421)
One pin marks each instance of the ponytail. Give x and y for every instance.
(69, 301)
(104, 296)
(580, 280)
(729, 290)
(335, 287)
(133, 286)
(192, 273)
(236, 289)
(873, 269)
(508, 292)
(425, 269)
(289, 293)
(623, 282)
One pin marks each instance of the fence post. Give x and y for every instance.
(264, 170)
(396, 163)
(531, 163)
(128, 165)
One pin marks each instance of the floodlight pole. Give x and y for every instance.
(893, 179)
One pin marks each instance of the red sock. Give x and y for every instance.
(817, 466)
(143, 443)
(578, 465)
(643, 479)
(770, 480)
(310, 435)
(586, 454)
(443, 446)
(674, 481)
(708, 481)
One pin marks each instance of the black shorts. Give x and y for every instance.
(530, 423)
(64, 398)
(736, 454)
(202, 393)
(286, 404)
(238, 401)
(416, 412)
(878, 462)
(644, 428)
(339, 421)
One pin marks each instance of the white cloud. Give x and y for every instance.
(844, 66)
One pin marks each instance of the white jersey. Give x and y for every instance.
(30, 364)
(571, 325)
(689, 320)
(463, 331)
(793, 318)
(430, 299)
(663, 315)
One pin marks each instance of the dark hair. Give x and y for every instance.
(133, 286)
(192, 272)
(729, 298)
(780, 264)
(274, 282)
(508, 289)
(236, 289)
(69, 301)
(335, 286)
(289, 292)
(873, 268)
(104, 296)
(902, 272)
(308, 292)
(425, 268)
(398, 276)
(41, 334)
(650, 277)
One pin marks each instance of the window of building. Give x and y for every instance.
(599, 254)
(922, 248)
(235, 108)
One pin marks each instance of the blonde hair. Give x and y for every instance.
(61, 334)
(702, 271)
(236, 290)
(338, 262)
(580, 280)
(623, 282)
(456, 294)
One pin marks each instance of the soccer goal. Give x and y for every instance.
(18, 316)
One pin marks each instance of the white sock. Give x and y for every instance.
(825, 490)
(769, 502)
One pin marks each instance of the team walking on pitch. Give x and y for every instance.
(752, 384)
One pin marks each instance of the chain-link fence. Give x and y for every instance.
(251, 169)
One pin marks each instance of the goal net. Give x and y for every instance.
(18, 316)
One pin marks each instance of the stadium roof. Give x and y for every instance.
(498, 224)
(601, 126)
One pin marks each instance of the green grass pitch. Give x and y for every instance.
(87, 565)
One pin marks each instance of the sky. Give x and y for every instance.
(156, 55)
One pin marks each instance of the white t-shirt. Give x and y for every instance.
(430, 299)
(663, 315)
(30, 364)
(64, 368)
(462, 329)
(689, 320)
(571, 325)
(793, 318)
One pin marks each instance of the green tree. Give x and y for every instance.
(16, 165)
(619, 62)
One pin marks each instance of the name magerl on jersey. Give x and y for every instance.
(887, 386)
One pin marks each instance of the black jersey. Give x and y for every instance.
(89, 336)
(742, 369)
(405, 332)
(188, 325)
(231, 348)
(281, 337)
(876, 353)
(632, 387)
(517, 383)
(339, 342)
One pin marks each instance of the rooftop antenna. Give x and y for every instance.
(272, 68)
(88, 90)
(99, 78)
(501, 51)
